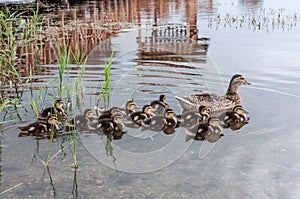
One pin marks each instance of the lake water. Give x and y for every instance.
(259, 39)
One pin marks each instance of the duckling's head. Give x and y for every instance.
(163, 98)
(169, 113)
(130, 105)
(147, 109)
(59, 104)
(236, 81)
(205, 110)
(239, 110)
(88, 113)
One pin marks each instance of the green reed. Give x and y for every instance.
(10, 25)
(64, 63)
(105, 88)
(74, 136)
(51, 133)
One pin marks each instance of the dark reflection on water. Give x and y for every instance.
(168, 51)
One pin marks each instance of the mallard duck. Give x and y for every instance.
(236, 118)
(159, 106)
(111, 125)
(209, 130)
(40, 127)
(81, 122)
(189, 117)
(160, 122)
(56, 110)
(217, 103)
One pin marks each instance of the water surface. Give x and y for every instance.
(163, 52)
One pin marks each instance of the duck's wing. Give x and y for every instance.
(196, 100)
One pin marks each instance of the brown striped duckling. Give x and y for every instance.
(140, 116)
(209, 130)
(236, 118)
(57, 110)
(160, 122)
(218, 103)
(110, 125)
(40, 127)
(189, 117)
(159, 106)
(81, 122)
(129, 109)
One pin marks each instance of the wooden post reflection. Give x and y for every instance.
(191, 19)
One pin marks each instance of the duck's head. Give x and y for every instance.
(59, 104)
(163, 98)
(130, 105)
(239, 110)
(236, 81)
(169, 113)
(205, 110)
(147, 109)
(88, 113)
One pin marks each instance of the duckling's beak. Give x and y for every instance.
(247, 83)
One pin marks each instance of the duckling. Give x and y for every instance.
(40, 127)
(57, 110)
(218, 103)
(160, 122)
(140, 116)
(81, 122)
(171, 122)
(189, 117)
(235, 118)
(111, 125)
(159, 106)
(130, 107)
(108, 114)
(209, 130)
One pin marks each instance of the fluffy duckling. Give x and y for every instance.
(236, 118)
(160, 122)
(108, 114)
(57, 110)
(111, 125)
(81, 122)
(130, 107)
(40, 127)
(210, 131)
(140, 116)
(159, 106)
(189, 117)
